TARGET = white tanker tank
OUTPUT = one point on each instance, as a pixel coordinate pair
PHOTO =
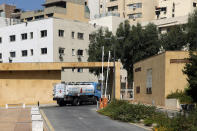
(76, 93)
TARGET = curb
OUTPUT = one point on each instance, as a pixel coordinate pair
(46, 121)
(146, 128)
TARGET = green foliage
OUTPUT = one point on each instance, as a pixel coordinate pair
(124, 111)
(181, 96)
(192, 30)
(190, 70)
(139, 43)
(97, 40)
(148, 122)
(175, 39)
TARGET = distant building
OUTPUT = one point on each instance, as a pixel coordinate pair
(174, 8)
(48, 40)
(158, 76)
(110, 22)
(135, 11)
(6, 10)
(94, 8)
(64, 9)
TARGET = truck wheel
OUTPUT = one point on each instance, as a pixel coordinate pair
(76, 102)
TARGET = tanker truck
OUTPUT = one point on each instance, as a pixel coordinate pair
(76, 93)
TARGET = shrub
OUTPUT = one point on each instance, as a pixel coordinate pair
(181, 96)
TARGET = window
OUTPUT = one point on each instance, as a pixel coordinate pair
(12, 38)
(0, 55)
(113, 8)
(80, 52)
(73, 35)
(149, 81)
(61, 50)
(32, 52)
(134, 6)
(43, 51)
(194, 4)
(24, 36)
(80, 70)
(0, 40)
(24, 52)
(61, 33)
(135, 15)
(80, 36)
(12, 54)
(138, 69)
(138, 89)
(43, 33)
(73, 52)
(31, 35)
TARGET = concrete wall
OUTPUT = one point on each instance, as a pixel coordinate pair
(167, 76)
(174, 78)
(27, 87)
(32, 82)
(157, 64)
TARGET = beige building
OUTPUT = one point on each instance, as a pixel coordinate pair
(64, 9)
(6, 10)
(158, 76)
(134, 10)
(174, 8)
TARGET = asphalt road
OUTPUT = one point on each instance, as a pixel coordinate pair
(84, 118)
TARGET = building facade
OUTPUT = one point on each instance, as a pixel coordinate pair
(6, 10)
(174, 8)
(94, 8)
(64, 9)
(158, 76)
(133, 10)
(48, 40)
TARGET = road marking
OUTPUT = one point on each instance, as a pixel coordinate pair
(47, 121)
(146, 128)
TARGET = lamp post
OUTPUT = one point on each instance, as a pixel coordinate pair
(114, 83)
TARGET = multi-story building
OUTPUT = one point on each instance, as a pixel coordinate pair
(48, 40)
(64, 9)
(133, 10)
(6, 10)
(174, 8)
(94, 8)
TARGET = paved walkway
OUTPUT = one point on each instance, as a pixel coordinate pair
(15, 119)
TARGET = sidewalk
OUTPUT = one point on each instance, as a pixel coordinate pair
(17, 119)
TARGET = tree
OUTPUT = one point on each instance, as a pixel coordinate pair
(139, 43)
(175, 39)
(192, 30)
(97, 40)
(191, 71)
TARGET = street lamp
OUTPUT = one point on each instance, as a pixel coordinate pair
(114, 83)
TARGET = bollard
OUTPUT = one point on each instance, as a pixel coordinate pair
(6, 106)
(23, 105)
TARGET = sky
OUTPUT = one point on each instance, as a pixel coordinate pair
(25, 4)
